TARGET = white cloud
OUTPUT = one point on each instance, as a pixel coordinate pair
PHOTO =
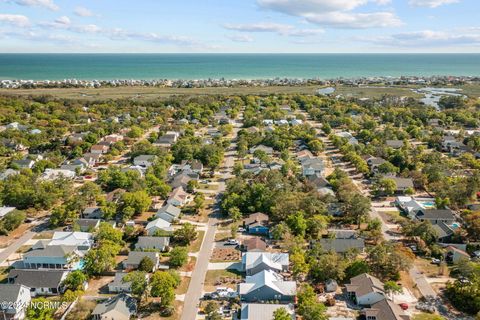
(63, 20)
(15, 19)
(355, 20)
(281, 29)
(428, 38)
(49, 4)
(334, 13)
(240, 38)
(86, 28)
(431, 3)
(83, 12)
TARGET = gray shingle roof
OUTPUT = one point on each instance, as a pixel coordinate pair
(123, 304)
(34, 278)
(342, 245)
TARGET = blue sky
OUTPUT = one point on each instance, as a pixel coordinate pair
(322, 26)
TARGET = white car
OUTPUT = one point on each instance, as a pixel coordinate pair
(436, 261)
(240, 229)
(232, 242)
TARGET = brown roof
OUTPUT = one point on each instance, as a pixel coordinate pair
(386, 310)
(255, 218)
(364, 284)
(255, 244)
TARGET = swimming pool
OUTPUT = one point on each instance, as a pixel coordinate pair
(427, 204)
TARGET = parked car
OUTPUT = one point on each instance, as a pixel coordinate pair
(241, 229)
(232, 242)
(436, 261)
(404, 306)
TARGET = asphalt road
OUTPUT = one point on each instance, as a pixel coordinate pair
(195, 288)
(15, 245)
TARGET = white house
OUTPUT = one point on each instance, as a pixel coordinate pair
(80, 240)
(18, 297)
(365, 289)
(158, 225)
(145, 160)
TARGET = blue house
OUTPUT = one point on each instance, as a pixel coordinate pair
(257, 223)
(54, 257)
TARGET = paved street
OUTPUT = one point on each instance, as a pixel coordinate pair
(14, 246)
(195, 289)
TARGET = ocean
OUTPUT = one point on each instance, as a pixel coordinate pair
(232, 66)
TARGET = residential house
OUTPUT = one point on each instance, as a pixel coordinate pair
(436, 215)
(120, 307)
(113, 138)
(444, 232)
(255, 244)
(178, 197)
(54, 257)
(149, 243)
(23, 163)
(254, 262)
(451, 145)
(74, 168)
(257, 223)
(168, 139)
(92, 158)
(145, 160)
(313, 166)
(99, 149)
(261, 147)
(88, 225)
(348, 136)
(262, 311)
(135, 257)
(342, 245)
(454, 255)
(304, 155)
(80, 240)
(394, 144)
(409, 205)
(158, 225)
(168, 213)
(17, 297)
(118, 285)
(267, 285)
(384, 310)
(317, 181)
(92, 213)
(53, 174)
(40, 282)
(180, 180)
(374, 162)
(365, 289)
(403, 184)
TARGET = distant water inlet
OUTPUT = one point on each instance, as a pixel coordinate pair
(433, 95)
(233, 66)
